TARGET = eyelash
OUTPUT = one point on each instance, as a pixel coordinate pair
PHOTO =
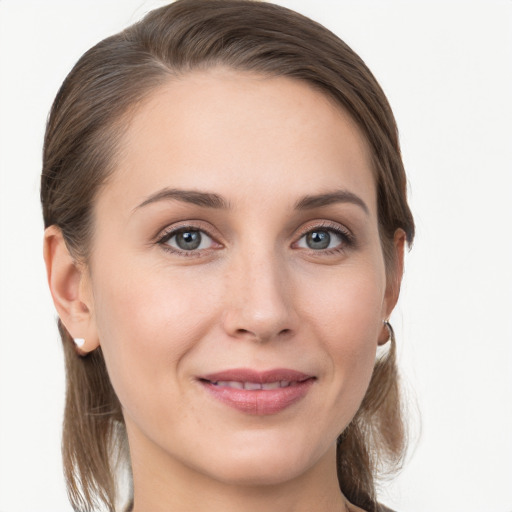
(348, 239)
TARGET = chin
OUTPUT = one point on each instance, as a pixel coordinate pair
(262, 472)
(263, 463)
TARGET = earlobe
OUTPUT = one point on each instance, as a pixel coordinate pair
(66, 282)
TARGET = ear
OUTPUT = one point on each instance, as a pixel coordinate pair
(68, 285)
(393, 282)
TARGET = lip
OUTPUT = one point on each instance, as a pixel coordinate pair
(294, 386)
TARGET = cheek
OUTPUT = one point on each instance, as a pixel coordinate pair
(349, 302)
(347, 315)
(148, 320)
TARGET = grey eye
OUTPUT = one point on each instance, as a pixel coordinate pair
(320, 239)
(189, 240)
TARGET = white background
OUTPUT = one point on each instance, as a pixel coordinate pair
(447, 70)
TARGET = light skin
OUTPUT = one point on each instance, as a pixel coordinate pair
(270, 185)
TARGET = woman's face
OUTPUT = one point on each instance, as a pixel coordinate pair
(237, 283)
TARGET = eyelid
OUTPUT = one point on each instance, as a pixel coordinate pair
(326, 225)
(175, 227)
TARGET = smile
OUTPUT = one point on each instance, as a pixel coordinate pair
(252, 386)
(258, 393)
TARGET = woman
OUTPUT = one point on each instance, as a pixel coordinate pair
(225, 214)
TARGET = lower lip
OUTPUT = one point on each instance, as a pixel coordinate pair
(260, 401)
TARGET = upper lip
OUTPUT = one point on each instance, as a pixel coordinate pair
(261, 377)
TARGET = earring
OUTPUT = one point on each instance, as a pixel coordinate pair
(391, 333)
(79, 342)
(390, 330)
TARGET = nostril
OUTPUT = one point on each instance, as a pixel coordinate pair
(260, 336)
(248, 321)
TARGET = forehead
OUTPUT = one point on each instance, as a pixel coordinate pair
(241, 134)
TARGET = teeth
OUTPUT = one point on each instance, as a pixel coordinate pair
(271, 385)
(230, 384)
(251, 386)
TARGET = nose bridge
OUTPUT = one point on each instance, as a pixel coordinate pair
(260, 299)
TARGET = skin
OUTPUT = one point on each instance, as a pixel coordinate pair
(255, 294)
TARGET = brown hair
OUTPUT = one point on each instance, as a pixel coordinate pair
(86, 122)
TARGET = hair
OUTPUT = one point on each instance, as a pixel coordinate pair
(84, 130)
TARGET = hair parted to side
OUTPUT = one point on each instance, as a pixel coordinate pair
(86, 123)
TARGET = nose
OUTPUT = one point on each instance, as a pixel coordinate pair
(259, 299)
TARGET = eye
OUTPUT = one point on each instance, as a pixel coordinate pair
(186, 239)
(319, 239)
(325, 239)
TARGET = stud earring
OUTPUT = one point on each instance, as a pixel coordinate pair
(79, 342)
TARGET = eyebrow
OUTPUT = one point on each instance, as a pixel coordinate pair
(212, 200)
(340, 196)
(205, 199)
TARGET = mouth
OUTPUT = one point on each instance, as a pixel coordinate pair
(252, 386)
(258, 393)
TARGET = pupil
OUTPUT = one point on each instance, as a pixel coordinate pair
(318, 239)
(188, 240)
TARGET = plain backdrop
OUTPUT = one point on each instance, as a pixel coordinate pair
(447, 70)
